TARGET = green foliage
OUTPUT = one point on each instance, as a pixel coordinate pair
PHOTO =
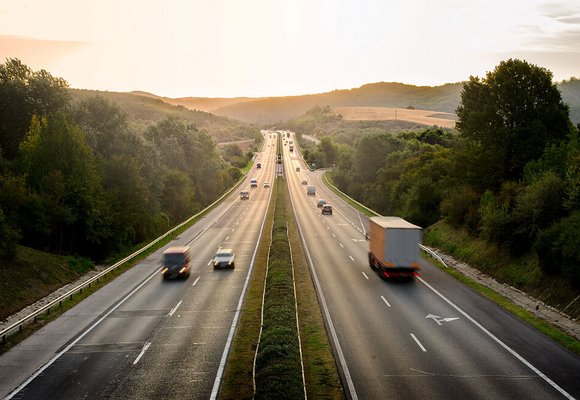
(83, 178)
(24, 93)
(278, 366)
(557, 249)
(8, 239)
(460, 207)
(511, 115)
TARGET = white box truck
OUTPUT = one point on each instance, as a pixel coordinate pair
(394, 247)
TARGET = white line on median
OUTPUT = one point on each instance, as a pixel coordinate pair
(196, 281)
(147, 344)
(386, 302)
(418, 343)
(341, 245)
(365, 275)
(351, 258)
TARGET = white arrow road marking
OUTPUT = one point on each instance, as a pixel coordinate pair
(439, 320)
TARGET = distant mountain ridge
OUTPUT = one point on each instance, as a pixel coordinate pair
(270, 110)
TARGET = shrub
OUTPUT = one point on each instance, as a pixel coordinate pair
(557, 249)
(460, 204)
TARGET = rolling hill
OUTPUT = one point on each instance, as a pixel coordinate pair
(271, 110)
(143, 110)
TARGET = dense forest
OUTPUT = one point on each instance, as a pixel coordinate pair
(509, 174)
(77, 177)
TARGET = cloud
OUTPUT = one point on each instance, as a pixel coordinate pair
(558, 10)
(565, 41)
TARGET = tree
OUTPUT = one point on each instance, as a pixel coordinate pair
(60, 167)
(8, 238)
(511, 116)
(24, 93)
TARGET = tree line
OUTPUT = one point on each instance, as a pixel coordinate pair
(76, 178)
(510, 173)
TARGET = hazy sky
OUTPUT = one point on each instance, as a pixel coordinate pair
(227, 48)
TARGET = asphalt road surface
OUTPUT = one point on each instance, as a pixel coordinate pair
(431, 338)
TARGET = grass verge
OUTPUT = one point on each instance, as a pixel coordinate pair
(453, 239)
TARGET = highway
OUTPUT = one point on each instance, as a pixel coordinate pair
(432, 338)
(148, 338)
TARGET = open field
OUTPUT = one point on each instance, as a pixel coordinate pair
(442, 119)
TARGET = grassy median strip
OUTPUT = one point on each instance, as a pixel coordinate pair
(278, 369)
(278, 361)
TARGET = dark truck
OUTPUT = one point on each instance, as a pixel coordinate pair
(176, 263)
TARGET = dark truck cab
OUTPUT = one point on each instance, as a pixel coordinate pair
(176, 262)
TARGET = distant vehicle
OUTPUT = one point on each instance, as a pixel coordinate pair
(176, 262)
(394, 247)
(259, 165)
(310, 190)
(297, 169)
(291, 148)
(266, 184)
(253, 182)
(305, 182)
(321, 202)
(224, 258)
(244, 195)
(327, 209)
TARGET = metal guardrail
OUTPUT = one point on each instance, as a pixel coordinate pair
(428, 250)
(79, 289)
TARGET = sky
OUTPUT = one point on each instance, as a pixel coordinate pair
(258, 48)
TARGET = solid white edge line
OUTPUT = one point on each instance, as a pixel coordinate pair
(195, 282)
(343, 365)
(79, 338)
(221, 368)
(365, 275)
(147, 344)
(418, 343)
(385, 300)
(498, 341)
(174, 309)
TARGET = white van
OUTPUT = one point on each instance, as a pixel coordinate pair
(310, 190)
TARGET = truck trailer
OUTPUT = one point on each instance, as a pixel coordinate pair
(394, 247)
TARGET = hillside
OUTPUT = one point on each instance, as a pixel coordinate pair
(270, 110)
(143, 110)
(207, 104)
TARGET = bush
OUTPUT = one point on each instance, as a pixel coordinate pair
(460, 204)
(8, 238)
(558, 249)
